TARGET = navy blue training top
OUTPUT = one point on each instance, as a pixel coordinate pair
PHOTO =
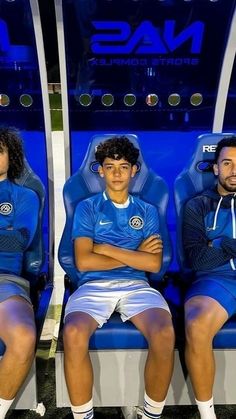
(19, 209)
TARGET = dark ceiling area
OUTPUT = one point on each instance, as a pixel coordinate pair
(47, 12)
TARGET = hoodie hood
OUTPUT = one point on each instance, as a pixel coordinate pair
(226, 200)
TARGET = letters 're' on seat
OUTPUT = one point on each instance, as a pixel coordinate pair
(34, 256)
(86, 182)
(195, 177)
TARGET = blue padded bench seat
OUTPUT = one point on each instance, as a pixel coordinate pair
(226, 337)
(118, 335)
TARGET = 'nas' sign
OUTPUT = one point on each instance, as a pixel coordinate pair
(119, 38)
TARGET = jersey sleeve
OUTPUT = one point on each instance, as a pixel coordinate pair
(83, 222)
(152, 224)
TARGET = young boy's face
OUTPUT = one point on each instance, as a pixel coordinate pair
(117, 173)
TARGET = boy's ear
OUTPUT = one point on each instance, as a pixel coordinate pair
(100, 171)
(134, 170)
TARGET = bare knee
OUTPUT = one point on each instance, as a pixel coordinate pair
(75, 337)
(22, 343)
(198, 335)
(161, 338)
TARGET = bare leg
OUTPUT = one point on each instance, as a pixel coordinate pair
(78, 368)
(156, 325)
(17, 330)
(203, 318)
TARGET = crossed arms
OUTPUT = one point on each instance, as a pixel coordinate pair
(93, 257)
(201, 253)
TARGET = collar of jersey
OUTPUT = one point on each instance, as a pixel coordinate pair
(4, 182)
(125, 205)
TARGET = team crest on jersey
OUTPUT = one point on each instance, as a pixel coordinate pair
(136, 222)
(6, 208)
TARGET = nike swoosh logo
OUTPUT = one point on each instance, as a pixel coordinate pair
(103, 223)
(211, 228)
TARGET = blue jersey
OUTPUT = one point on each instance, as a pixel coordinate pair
(19, 208)
(123, 226)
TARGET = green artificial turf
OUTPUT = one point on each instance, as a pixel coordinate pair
(56, 111)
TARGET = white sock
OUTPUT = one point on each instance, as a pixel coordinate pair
(206, 409)
(152, 409)
(85, 411)
(4, 407)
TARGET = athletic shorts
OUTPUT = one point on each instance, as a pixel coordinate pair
(213, 288)
(101, 298)
(12, 285)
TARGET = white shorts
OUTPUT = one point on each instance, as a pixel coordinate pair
(101, 298)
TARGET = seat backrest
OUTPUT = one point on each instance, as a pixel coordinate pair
(86, 182)
(35, 254)
(195, 177)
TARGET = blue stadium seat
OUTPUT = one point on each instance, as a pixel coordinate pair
(195, 177)
(85, 182)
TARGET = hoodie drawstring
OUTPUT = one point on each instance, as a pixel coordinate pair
(233, 223)
(234, 232)
(233, 217)
(216, 213)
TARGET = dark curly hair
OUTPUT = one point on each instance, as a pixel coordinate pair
(225, 142)
(117, 148)
(11, 141)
